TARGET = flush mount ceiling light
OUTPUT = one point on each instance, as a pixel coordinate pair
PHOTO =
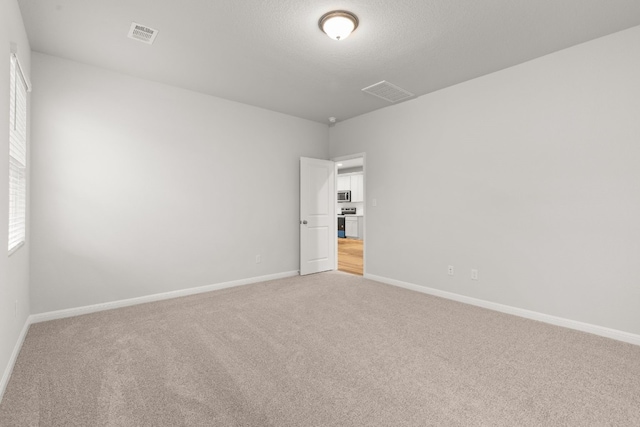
(338, 24)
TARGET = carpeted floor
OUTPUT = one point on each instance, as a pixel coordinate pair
(330, 349)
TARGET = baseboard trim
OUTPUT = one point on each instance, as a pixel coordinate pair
(71, 312)
(14, 356)
(533, 315)
(546, 318)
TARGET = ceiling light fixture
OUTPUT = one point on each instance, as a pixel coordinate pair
(338, 24)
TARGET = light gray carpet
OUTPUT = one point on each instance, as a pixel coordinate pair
(324, 350)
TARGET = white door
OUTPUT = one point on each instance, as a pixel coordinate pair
(317, 216)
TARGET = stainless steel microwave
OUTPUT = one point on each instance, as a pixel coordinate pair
(344, 196)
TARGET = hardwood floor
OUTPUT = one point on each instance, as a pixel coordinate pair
(350, 256)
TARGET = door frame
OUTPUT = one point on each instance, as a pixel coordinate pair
(336, 160)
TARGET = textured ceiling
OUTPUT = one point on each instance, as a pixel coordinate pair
(271, 53)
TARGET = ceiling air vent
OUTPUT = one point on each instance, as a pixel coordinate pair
(387, 91)
(141, 33)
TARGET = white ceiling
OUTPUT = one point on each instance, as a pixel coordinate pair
(271, 53)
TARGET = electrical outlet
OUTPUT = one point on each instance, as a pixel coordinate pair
(258, 259)
(374, 202)
(450, 270)
(474, 274)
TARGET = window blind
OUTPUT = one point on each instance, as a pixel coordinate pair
(17, 156)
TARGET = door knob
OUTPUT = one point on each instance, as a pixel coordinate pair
(304, 222)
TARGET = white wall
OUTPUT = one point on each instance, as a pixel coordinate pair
(14, 272)
(530, 174)
(141, 188)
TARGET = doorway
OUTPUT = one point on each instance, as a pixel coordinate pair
(350, 180)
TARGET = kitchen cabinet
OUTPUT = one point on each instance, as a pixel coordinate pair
(351, 227)
(353, 183)
(344, 183)
(357, 189)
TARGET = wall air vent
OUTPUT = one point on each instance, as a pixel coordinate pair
(141, 33)
(388, 92)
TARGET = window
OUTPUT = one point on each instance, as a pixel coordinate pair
(17, 156)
